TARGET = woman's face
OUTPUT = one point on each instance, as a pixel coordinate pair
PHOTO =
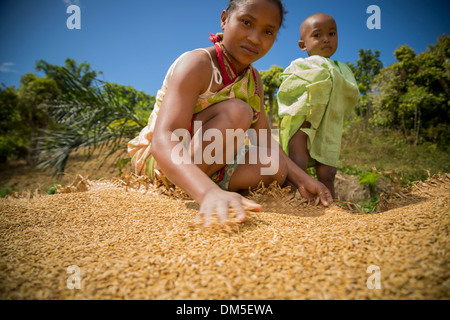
(250, 31)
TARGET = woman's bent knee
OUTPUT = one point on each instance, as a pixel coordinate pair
(238, 113)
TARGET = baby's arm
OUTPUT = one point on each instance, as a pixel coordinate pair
(191, 78)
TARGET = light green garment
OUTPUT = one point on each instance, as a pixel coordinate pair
(323, 92)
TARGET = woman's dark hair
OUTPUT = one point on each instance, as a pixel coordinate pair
(234, 3)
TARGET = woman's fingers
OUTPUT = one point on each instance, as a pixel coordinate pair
(306, 194)
(325, 197)
(237, 204)
(222, 208)
(318, 193)
(206, 212)
(252, 205)
(222, 211)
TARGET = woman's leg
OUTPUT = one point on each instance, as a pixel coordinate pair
(229, 115)
(236, 115)
(251, 172)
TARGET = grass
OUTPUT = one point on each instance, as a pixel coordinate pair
(363, 150)
(385, 150)
(5, 190)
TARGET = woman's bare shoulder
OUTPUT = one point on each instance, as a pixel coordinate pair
(195, 67)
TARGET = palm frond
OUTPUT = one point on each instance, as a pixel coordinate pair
(89, 118)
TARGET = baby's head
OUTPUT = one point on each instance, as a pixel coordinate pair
(318, 35)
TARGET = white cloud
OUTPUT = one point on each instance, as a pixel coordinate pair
(7, 67)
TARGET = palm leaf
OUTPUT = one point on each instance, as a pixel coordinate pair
(88, 118)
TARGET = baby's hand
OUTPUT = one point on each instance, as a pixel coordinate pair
(220, 202)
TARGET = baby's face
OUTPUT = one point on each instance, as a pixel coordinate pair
(319, 36)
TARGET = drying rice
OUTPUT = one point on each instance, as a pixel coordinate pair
(126, 240)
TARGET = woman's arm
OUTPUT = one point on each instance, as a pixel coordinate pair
(191, 78)
(176, 113)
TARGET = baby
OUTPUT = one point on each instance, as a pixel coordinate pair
(316, 96)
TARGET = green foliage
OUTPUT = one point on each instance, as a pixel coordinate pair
(25, 113)
(351, 170)
(412, 95)
(91, 117)
(12, 146)
(6, 190)
(67, 111)
(121, 164)
(275, 117)
(82, 72)
(369, 205)
(271, 81)
(369, 178)
(52, 189)
(386, 149)
(365, 70)
(12, 143)
(35, 95)
(9, 114)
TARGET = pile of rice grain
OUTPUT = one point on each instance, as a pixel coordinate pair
(139, 244)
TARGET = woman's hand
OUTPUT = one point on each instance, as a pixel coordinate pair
(312, 188)
(219, 201)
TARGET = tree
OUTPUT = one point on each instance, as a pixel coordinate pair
(35, 95)
(271, 81)
(441, 51)
(411, 94)
(82, 72)
(365, 71)
(12, 140)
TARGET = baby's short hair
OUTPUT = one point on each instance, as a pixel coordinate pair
(306, 21)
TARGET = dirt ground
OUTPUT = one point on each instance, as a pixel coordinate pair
(118, 239)
(22, 177)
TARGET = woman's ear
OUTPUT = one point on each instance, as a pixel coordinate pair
(223, 19)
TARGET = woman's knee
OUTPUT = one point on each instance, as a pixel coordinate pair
(229, 114)
(238, 113)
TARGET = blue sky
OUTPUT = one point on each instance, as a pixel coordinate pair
(135, 41)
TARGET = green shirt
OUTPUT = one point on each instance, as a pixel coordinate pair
(323, 92)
